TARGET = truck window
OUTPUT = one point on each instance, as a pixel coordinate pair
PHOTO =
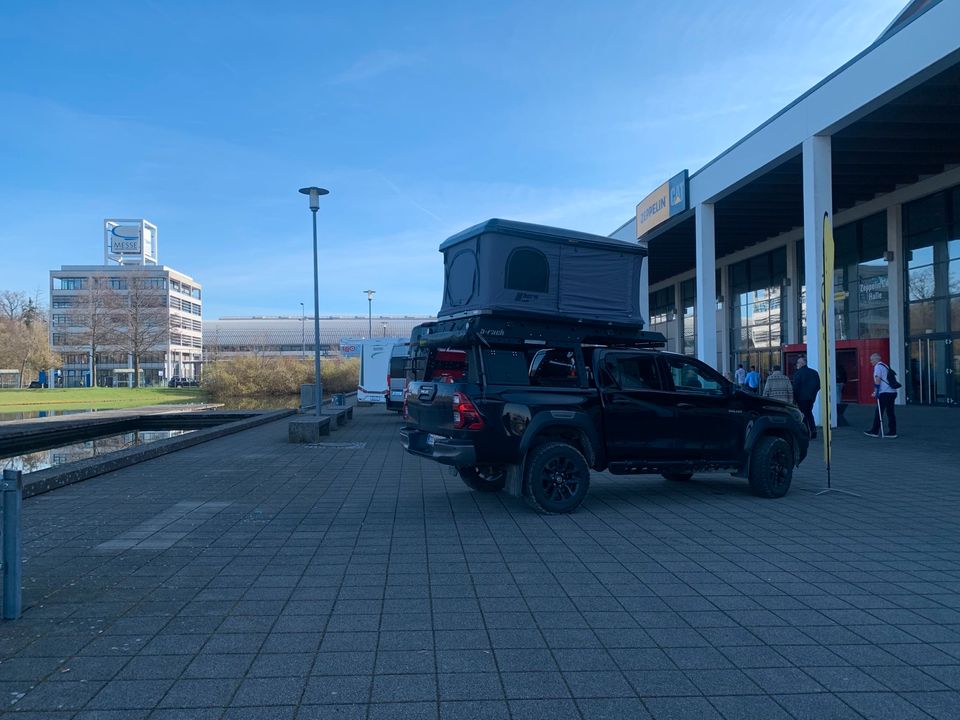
(637, 372)
(554, 366)
(693, 377)
(446, 366)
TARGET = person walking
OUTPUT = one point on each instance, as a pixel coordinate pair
(886, 397)
(778, 386)
(806, 386)
(740, 376)
(753, 380)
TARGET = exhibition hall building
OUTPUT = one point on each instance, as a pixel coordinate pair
(873, 149)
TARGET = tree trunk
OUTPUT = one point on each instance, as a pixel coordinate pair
(136, 370)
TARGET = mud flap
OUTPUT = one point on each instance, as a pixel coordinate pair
(514, 484)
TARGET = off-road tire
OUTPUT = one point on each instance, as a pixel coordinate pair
(771, 467)
(556, 478)
(488, 478)
(677, 476)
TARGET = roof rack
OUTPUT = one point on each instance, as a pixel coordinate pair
(498, 329)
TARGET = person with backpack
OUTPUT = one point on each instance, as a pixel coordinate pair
(885, 386)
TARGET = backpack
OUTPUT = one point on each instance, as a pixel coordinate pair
(892, 378)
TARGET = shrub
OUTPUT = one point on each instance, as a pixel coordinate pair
(253, 376)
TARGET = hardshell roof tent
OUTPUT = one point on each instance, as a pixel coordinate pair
(508, 266)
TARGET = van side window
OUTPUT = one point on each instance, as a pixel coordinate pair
(527, 269)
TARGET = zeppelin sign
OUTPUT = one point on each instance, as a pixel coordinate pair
(662, 204)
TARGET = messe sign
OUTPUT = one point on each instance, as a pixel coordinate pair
(666, 201)
(131, 242)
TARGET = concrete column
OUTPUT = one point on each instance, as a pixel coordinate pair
(725, 321)
(706, 303)
(789, 300)
(895, 298)
(645, 289)
(817, 201)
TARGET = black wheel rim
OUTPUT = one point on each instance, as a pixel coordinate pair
(779, 468)
(560, 480)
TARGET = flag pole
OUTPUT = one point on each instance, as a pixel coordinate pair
(826, 357)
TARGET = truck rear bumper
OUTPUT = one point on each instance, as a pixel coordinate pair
(449, 451)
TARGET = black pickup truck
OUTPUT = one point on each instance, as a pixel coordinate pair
(534, 406)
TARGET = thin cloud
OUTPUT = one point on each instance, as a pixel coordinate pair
(401, 194)
(372, 65)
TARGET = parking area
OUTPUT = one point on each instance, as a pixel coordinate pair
(251, 578)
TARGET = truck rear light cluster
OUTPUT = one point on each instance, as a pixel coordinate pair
(465, 413)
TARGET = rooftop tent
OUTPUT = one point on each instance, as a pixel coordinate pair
(501, 265)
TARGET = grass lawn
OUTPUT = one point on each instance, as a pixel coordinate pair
(12, 401)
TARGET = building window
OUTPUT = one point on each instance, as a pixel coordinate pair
(69, 283)
(756, 328)
(688, 301)
(663, 315)
(527, 269)
(861, 292)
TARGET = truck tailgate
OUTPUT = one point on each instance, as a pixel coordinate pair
(430, 405)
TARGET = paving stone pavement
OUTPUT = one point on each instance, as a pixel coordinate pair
(250, 578)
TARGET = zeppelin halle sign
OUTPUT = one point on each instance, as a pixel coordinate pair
(662, 204)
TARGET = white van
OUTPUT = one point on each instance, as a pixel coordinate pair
(374, 366)
(397, 377)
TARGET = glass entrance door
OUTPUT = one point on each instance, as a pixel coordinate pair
(934, 362)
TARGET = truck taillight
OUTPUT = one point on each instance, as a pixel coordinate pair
(465, 413)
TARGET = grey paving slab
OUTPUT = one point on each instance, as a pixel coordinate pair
(251, 578)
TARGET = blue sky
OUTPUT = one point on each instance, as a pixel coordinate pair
(421, 118)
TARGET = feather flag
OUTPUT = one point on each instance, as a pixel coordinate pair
(826, 312)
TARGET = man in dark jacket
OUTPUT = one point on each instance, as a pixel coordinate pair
(806, 386)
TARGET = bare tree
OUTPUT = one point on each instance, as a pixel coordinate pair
(92, 315)
(140, 318)
(12, 305)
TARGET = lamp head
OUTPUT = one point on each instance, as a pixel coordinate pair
(314, 193)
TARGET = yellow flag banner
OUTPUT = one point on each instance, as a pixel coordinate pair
(826, 312)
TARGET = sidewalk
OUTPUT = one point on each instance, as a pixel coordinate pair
(250, 578)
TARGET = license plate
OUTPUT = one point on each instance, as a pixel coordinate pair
(432, 439)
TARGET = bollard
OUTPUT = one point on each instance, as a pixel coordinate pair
(12, 489)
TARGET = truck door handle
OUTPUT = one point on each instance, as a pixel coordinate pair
(685, 406)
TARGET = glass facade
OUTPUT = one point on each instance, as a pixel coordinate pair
(931, 244)
(663, 315)
(861, 291)
(757, 318)
(688, 301)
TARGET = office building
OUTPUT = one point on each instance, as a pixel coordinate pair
(99, 314)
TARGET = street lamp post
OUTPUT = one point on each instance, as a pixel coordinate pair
(303, 336)
(315, 193)
(369, 312)
(383, 326)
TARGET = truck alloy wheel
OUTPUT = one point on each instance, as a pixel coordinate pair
(771, 467)
(557, 478)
